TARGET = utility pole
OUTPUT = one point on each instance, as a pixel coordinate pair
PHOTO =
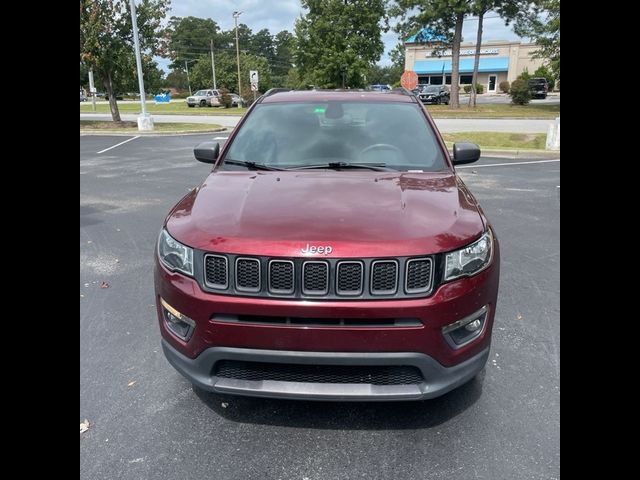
(213, 67)
(186, 66)
(235, 17)
(145, 122)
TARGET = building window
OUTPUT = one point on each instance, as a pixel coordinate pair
(448, 80)
(436, 80)
(466, 79)
(423, 80)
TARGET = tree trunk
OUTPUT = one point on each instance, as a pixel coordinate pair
(113, 104)
(455, 87)
(476, 62)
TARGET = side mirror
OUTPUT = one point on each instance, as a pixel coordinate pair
(207, 152)
(465, 152)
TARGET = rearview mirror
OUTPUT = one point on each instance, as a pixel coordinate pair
(465, 152)
(207, 152)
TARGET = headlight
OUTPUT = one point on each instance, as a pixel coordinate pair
(469, 260)
(174, 255)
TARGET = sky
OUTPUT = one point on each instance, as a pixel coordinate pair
(277, 15)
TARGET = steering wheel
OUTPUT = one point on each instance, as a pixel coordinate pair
(380, 146)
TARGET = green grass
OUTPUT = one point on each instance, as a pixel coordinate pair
(176, 107)
(499, 140)
(495, 110)
(130, 127)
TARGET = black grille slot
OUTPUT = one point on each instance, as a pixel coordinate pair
(248, 274)
(315, 278)
(418, 275)
(349, 276)
(384, 277)
(216, 273)
(281, 276)
(283, 372)
(318, 322)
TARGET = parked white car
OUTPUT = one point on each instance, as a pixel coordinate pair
(204, 98)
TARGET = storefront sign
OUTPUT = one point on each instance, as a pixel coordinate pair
(447, 53)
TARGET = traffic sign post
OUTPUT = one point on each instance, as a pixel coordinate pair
(409, 80)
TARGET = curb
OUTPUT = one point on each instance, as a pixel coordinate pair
(515, 154)
(152, 134)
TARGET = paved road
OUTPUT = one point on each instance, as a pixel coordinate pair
(445, 125)
(147, 422)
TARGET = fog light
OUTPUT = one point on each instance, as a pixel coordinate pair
(464, 331)
(473, 326)
(178, 323)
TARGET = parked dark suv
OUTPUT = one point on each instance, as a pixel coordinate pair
(435, 94)
(538, 87)
(332, 253)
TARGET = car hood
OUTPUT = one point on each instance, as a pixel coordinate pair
(358, 214)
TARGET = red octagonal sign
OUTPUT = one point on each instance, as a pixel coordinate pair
(409, 80)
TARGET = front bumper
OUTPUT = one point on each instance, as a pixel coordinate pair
(438, 380)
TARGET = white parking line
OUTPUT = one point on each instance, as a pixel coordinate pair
(118, 144)
(511, 163)
(220, 138)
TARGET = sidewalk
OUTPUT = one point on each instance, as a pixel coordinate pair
(445, 125)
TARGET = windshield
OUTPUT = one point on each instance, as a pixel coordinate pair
(293, 135)
(434, 89)
(537, 82)
(200, 93)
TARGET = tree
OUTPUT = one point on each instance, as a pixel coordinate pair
(545, 72)
(508, 10)
(262, 45)
(441, 16)
(285, 44)
(227, 73)
(542, 24)
(106, 40)
(338, 40)
(188, 37)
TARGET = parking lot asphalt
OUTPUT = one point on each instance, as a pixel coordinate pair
(146, 422)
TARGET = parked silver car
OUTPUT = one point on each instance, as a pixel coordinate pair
(237, 100)
(204, 98)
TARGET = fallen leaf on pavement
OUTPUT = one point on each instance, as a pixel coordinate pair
(131, 384)
(104, 285)
(519, 317)
(84, 426)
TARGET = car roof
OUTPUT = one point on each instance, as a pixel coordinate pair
(343, 95)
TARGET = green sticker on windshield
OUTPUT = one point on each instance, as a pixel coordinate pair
(319, 110)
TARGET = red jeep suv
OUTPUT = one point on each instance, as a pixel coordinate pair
(332, 253)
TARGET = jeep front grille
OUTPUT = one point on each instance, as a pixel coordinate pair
(318, 279)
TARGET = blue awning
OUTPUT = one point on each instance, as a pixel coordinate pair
(488, 64)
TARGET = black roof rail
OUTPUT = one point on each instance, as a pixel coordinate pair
(273, 91)
(404, 91)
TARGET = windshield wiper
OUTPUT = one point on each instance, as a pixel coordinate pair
(378, 167)
(251, 165)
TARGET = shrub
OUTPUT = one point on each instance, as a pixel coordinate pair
(525, 75)
(519, 92)
(479, 88)
(225, 98)
(504, 86)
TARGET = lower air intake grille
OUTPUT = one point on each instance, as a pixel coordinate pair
(283, 372)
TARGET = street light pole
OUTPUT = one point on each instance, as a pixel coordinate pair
(186, 66)
(235, 17)
(213, 67)
(145, 122)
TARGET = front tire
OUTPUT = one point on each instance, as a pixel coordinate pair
(203, 103)
(190, 106)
